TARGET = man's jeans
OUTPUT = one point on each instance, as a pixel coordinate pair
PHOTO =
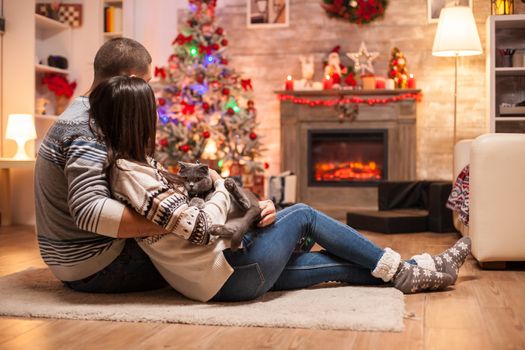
(269, 259)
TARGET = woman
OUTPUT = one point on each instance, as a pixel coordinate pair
(199, 265)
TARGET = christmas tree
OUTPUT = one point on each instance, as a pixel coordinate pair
(205, 107)
(398, 68)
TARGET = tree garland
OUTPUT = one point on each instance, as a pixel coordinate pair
(355, 11)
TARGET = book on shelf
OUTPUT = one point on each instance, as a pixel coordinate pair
(112, 19)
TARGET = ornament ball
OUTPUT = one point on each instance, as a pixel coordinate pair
(206, 134)
(185, 148)
(225, 91)
(205, 106)
(164, 142)
(253, 136)
(230, 111)
(224, 61)
(219, 31)
(266, 165)
(162, 101)
(224, 42)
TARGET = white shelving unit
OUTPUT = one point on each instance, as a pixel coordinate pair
(505, 84)
(118, 23)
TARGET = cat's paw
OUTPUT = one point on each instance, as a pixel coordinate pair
(236, 241)
(197, 202)
(220, 231)
(230, 184)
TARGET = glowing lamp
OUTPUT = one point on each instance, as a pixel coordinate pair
(21, 128)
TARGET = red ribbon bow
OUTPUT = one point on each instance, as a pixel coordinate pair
(160, 71)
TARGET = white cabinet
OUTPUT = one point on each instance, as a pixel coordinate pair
(506, 75)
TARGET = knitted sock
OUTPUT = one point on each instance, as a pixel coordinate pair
(412, 279)
(449, 261)
(387, 265)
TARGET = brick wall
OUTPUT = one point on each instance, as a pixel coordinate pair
(268, 55)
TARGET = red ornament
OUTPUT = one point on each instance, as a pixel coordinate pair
(224, 42)
(251, 103)
(226, 91)
(164, 142)
(224, 61)
(266, 165)
(200, 78)
(185, 148)
(215, 47)
(161, 101)
(246, 84)
(205, 106)
(230, 111)
(206, 134)
(253, 136)
(219, 31)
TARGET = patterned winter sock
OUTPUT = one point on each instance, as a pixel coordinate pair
(413, 279)
(387, 265)
(449, 261)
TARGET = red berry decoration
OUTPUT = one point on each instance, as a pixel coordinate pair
(253, 136)
(230, 111)
(266, 165)
(226, 91)
(219, 31)
(205, 106)
(215, 47)
(184, 148)
(206, 134)
(164, 142)
(162, 101)
(224, 42)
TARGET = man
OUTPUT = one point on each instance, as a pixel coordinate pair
(81, 230)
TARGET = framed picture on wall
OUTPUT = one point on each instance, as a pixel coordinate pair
(434, 7)
(268, 13)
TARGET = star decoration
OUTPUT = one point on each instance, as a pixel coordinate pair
(363, 59)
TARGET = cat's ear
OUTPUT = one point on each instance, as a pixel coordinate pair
(183, 165)
(203, 169)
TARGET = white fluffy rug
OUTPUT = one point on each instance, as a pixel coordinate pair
(36, 293)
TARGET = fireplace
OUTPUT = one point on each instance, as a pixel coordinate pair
(347, 157)
(352, 154)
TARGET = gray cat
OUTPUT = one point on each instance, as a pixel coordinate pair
(199, 186)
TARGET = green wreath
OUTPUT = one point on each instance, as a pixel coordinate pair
(355, 11)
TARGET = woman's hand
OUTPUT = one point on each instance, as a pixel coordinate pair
(214, 175)
(267, 213)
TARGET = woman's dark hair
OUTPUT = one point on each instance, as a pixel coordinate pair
(123, 115)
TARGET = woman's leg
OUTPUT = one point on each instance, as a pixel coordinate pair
(267, 252)
(307, 269)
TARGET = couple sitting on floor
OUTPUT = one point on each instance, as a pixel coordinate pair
(110, 219)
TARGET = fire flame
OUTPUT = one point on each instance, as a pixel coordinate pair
(347, 171)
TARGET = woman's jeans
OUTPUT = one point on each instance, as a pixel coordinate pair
(270, 260)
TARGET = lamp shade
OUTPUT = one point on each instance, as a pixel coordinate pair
(456, 34)
(20, 127)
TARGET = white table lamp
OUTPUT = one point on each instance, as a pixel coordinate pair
(21, 128)
(456, 35)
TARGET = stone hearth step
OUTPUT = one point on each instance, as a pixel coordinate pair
(389, 221)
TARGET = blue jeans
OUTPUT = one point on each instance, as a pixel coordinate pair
(269, 259)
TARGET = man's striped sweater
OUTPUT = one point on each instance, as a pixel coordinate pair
(76, 218)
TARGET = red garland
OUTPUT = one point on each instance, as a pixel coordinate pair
(353, 99)
(59, 85)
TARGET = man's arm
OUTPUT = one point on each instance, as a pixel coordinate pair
(132, 225)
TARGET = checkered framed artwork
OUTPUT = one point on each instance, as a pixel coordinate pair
(67, 13)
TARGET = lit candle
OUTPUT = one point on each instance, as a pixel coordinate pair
(411, 82)
(288, 85)
(327, 82)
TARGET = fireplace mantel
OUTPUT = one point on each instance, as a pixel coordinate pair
(398, 118)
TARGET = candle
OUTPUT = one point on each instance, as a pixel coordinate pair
(380, 83)
(327, 82)
(411, 82)
(502, 7)
(288, 84)
(390, 84)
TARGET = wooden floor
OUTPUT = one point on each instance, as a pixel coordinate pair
(485, 310)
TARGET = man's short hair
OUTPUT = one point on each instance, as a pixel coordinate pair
(121, 56)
